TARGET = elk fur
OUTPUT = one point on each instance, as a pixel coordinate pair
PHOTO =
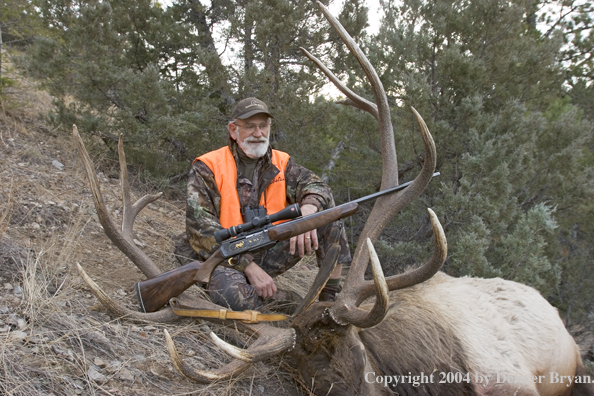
(485, 327)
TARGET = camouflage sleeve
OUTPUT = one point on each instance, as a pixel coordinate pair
(202, 214)
(304, 187)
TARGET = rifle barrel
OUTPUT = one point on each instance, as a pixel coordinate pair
(387, 191)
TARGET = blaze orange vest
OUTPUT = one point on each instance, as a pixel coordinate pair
(222, 164)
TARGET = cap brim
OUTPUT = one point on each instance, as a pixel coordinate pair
(253, 113)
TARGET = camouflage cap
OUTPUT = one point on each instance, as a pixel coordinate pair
(249, 107)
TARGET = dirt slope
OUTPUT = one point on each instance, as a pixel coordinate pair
(54, 339)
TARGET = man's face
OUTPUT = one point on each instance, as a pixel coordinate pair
(251, 134)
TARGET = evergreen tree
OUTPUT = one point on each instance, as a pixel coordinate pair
(168, 78)
(516, 179)
(18, 24)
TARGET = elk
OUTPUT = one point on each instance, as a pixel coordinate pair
(417, 333)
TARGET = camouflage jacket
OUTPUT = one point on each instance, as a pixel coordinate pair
(203, 200)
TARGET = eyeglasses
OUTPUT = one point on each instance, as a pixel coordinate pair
(249, 127)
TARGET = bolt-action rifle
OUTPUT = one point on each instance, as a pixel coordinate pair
(255, 235)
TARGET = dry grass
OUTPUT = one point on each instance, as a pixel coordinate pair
(54, 339)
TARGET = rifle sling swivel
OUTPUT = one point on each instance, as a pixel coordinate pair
(248, 316)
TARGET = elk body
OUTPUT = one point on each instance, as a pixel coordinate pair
(417, 333)
(483, 329)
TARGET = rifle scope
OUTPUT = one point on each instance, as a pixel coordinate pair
(290, 212)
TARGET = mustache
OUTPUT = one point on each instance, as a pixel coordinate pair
(256, 140)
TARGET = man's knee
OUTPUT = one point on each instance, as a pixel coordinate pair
(229, 288)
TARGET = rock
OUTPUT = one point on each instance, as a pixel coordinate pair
(18, 291)
(12, 320)
(58, 165)
(99, 362)
(67, 353)
(138, 243)
(114, 365)
(125, 375)
(96, 376)
(18, 335)
(21, 324)
(100, 340)
(35, 226)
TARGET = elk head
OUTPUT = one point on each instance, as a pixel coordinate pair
(324, 336)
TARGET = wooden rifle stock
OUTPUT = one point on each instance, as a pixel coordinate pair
(156, 292)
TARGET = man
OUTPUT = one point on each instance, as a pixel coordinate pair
(225, 184)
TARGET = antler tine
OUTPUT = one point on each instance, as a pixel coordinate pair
(203, 376)
(365, 319)
(130, 211)
(122, 240)
(353, 99)
(118, 310)
(271, 341)
(274, 341)
(429, 269)
(389, 179)
(420, 274)
(356, 289)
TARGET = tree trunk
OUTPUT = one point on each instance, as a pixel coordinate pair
(339, 148)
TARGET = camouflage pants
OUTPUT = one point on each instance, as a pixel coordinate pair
(230, 288)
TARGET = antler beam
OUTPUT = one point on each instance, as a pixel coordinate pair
(122, 239)
(356, 289)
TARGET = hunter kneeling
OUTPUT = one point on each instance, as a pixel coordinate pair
(229, 185)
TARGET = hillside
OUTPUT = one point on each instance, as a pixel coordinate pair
(54, 338)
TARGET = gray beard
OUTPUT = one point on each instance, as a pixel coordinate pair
(254, 149)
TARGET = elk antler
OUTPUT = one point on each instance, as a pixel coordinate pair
(122, 239)
(356, 289)
(263, 347)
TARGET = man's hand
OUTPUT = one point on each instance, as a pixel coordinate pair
(261, 281)
(306, 240)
